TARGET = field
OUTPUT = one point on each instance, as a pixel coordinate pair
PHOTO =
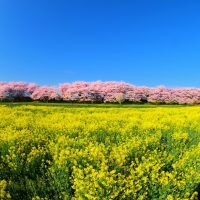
(65, 151)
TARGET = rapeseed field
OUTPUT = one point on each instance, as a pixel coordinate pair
(97, 153)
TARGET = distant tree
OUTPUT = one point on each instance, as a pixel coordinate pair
(16, 91)
(45, 93)
(120, 97)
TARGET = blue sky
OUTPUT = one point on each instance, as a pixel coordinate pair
(144, 42)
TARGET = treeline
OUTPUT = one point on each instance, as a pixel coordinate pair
(98, 92)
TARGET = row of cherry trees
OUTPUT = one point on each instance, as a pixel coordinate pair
(98, 92)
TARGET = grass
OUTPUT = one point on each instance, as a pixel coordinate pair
(92, 105)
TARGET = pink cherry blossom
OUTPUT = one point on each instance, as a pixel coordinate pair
(98, 91)
(45, 93)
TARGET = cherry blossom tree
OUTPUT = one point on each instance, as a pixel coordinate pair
(45, 93)
(120, 97)
(16, 91)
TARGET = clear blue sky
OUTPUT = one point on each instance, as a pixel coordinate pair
(144, 42)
